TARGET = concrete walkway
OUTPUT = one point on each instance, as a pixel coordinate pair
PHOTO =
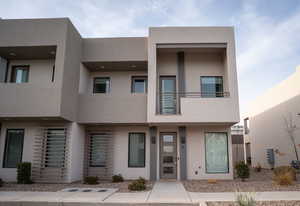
(166, 193)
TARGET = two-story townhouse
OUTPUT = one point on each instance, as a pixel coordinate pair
(159, 107)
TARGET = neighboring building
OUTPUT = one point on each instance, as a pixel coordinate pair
(237, 137)
(265, 126)
(158, 107)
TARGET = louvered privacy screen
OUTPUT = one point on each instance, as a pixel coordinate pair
(99, 154)
(50, 160)
(55, 149)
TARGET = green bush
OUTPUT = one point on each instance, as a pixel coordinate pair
(142, 180)
(91, 180)
(283, 170)
(1, 182)
(137, 185)
(24, 173)
(242, 170)
(117, 178)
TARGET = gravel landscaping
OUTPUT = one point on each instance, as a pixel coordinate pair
(265, 203)
(122, 186)
(258, 182)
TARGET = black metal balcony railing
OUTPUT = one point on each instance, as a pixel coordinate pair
(168, 101)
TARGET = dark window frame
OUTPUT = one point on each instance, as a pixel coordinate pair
(53, 73)
(144, 165)
(13, 73)
(216, 95)
(6, 147)
(109, 85)
(145, 78)
(228, 169)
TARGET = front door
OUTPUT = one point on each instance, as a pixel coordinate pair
(168, 156)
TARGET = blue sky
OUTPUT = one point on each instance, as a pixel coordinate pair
(267, 31)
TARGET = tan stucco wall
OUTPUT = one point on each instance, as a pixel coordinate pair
(10, 174)
(114, 49)
(196, 152)
(266, 122)
(118, 106)
(192, 35)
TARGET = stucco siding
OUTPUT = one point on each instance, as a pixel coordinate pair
(196, 152)
(120, 157)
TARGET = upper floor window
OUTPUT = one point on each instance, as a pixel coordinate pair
(101, 85)
(19, 74)
(212, 86)
(139, 84)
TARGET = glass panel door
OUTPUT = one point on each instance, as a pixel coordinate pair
(168, 156)
(168, 95)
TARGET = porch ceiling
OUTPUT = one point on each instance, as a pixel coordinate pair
(117, 66)
(28, 52)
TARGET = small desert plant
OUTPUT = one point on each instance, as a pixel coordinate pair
(137, 185)
(142, 180)
(245, 199)
(1, 182)
(117, 178)
(284, 170)
(283, 179)
(24, 173)
(91, 180)
(242, 170)
(257, 168)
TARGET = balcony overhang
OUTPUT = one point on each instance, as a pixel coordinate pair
(117, 66)
(28, 52)
(196, 47)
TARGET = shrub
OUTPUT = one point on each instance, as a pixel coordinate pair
(117, 178)
(283, 179)
(285, 169)
(242, 170)
(257, 168)
(24, 173)
(142, 180)
(1, 182)
(245, 199)
(137, 185)
(91, 180)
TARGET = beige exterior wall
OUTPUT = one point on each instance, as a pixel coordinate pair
(117, 106)
(114, 49)
(158, 65)
(267, 127)
(196, 168)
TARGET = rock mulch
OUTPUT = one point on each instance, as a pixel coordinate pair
(37, 187)
(263, 203)
(258, 182)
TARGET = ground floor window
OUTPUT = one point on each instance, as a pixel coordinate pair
(13, 148)
(55, 147)
(216, 152)
(136, 150)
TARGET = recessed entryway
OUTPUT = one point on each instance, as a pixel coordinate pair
(168, 156)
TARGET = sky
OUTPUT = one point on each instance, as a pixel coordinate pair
(267, 32)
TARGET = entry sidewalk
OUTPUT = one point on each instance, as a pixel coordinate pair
(166, 193)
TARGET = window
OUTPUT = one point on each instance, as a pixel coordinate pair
(139, 84)
(216, 152)
(55, 148)
(13, 148)
(98, 149)
(212, 87)
(19, 74)
(102, 85)
(136, 150)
